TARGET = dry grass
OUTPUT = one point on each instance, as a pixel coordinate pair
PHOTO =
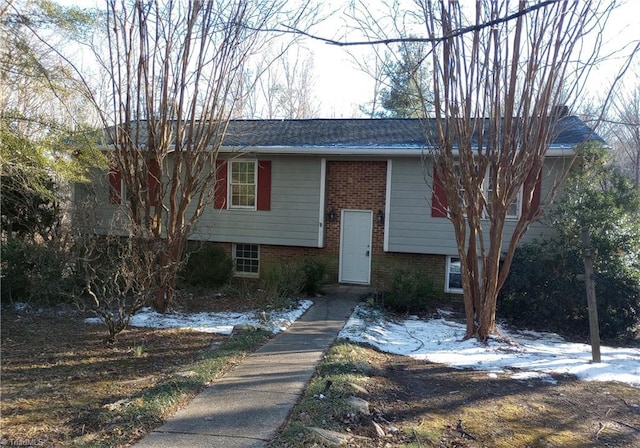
(61, 386)
(419, 404)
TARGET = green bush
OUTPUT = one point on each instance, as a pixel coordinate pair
(207, 265)
(313, 272)
(36, 273)
(546, 290)
(410, 291)
(281, 283)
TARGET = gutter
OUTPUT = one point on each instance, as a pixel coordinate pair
(381, 151)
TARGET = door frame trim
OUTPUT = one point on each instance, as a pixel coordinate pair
(340, 261)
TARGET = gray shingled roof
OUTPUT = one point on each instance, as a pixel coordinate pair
(363, 133)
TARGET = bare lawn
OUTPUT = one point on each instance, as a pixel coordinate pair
(61, 386)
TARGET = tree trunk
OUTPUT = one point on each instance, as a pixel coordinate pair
(487, 316)
(169, 261)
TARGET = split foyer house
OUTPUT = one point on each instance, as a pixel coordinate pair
(356, 194)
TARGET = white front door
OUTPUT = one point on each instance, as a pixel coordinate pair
(355, 246)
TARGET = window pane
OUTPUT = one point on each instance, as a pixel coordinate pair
(512, 210)
(246, 258)
(243, 184)
(455, 274)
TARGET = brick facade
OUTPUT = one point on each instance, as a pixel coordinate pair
(355, 185)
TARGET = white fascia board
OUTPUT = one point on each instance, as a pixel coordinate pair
(325, 150)
(379, 151)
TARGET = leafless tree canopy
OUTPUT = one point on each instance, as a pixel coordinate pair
(283, 89)
(503, 72)
(499, 93)
(625, 130)
(175, 73)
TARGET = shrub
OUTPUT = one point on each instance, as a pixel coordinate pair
(119, 274)
(410, 291)
(545, 290)
(313, 272)
(37, 273)
(207, 265)
(281, 283)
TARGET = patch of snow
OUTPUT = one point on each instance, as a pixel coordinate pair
(545, 377)
(441, 341)
(20, 306)
(221, 323)
(532, 354)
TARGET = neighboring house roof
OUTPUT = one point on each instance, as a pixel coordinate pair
(380, 136)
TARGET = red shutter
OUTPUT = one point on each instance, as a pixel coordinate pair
(534, 210)
(153, 180)
(264, 185)
(439, 203)
(115, 186)
(220, 193)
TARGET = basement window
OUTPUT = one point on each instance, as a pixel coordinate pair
(453, 280)
(246, 260)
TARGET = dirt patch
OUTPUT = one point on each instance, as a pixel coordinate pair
(440, 406)
(420, 404)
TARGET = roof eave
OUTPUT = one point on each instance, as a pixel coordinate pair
(386, 151)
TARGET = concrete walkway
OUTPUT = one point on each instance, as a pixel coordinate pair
(246, 407)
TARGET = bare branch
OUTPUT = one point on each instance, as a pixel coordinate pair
(431, 39)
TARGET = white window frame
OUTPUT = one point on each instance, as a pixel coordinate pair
(447, 287)
(235, 258)
(231, 185)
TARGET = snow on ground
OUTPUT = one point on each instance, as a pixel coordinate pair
(222, 323)
(529, 355)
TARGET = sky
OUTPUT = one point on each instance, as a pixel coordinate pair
(527, 355)
(341, 87)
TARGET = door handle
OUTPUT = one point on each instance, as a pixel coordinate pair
(367, 253)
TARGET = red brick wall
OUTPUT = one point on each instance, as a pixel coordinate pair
(359, 185)
(432, 266)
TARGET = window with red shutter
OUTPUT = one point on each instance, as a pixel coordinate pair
(220, 193)
(243, 184)
(264, 185)
(439, 203)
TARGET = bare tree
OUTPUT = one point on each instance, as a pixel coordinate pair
(502, 74)
(625, 130)
(175, 72)
(498, 91)
(283, 89)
